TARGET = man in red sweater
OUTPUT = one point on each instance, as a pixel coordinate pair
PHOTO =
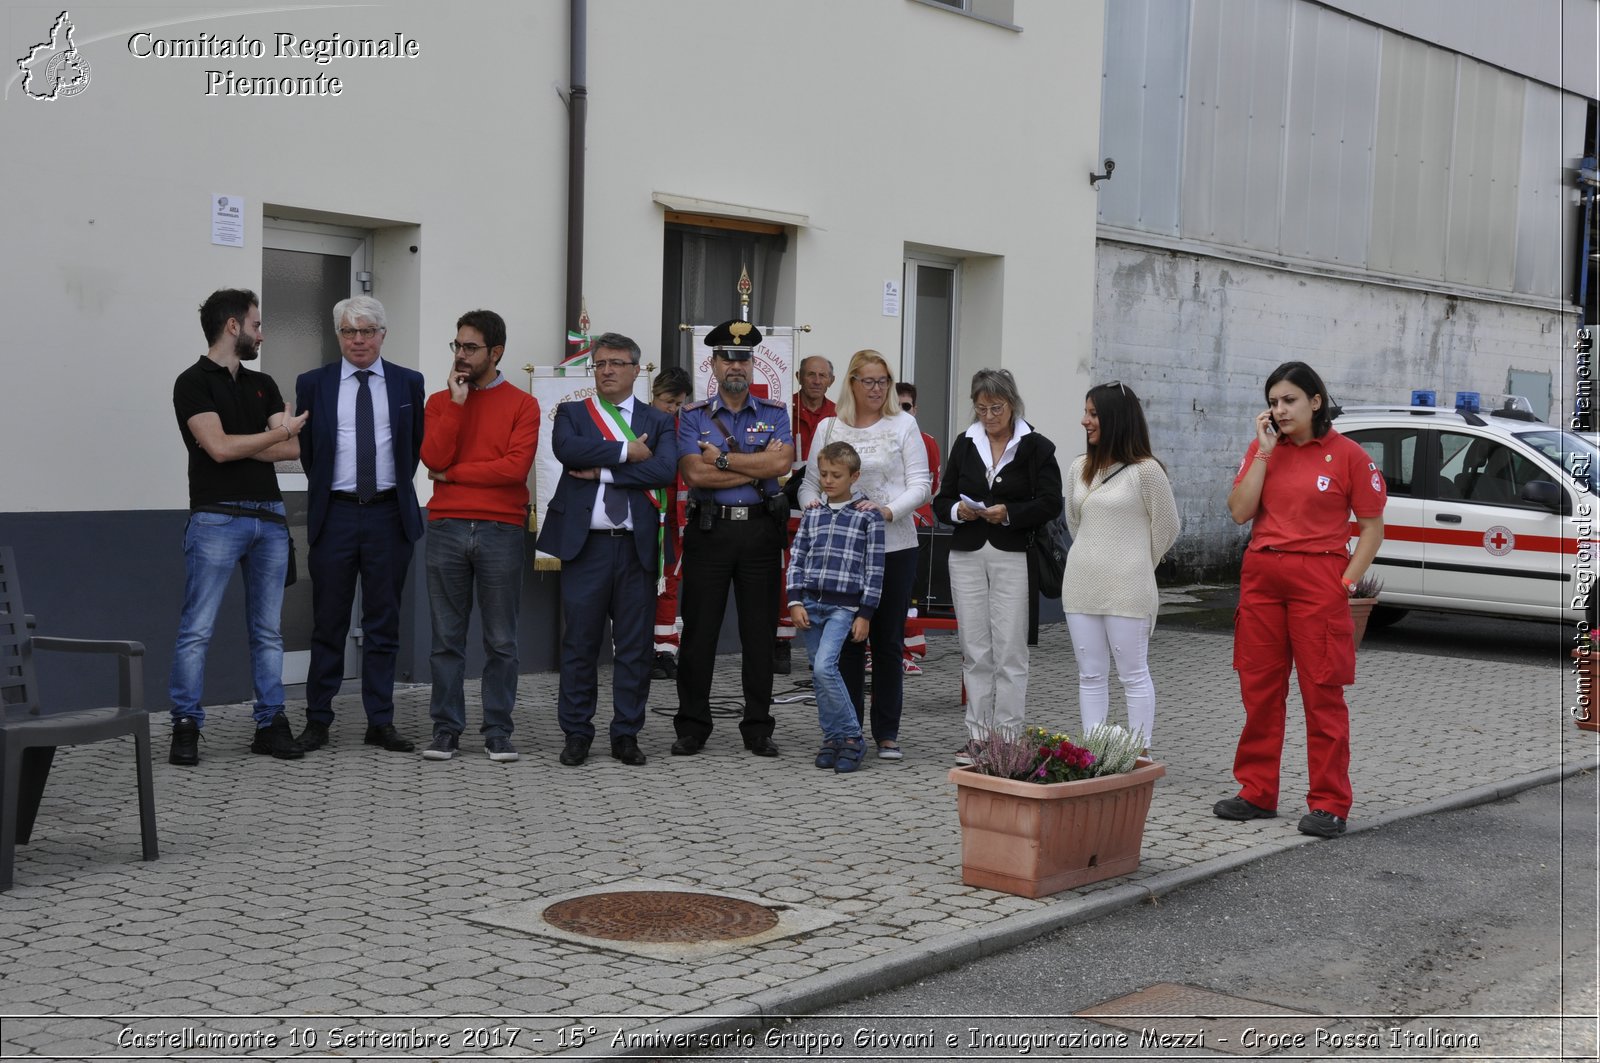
(478, 440)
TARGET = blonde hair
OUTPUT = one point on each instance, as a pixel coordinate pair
(846, 405)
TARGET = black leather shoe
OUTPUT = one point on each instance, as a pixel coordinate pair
(1239, 808)
(315, 736)
(665, 667)
(185, 742)
(626, 749)
(576, 750)
(276, 740)
(686, 746)
(762, 747)
(385, 735)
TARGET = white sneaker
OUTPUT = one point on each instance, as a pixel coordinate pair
(500, 749)
(911, 667)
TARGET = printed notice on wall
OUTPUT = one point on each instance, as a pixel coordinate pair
(891, 298)
(227, 221)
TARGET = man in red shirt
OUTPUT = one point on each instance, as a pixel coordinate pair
(478, 442)
(811, 407)
(811, 403)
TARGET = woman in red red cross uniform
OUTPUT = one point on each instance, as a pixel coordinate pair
(1299, 483)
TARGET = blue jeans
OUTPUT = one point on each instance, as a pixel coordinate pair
(829, 631)
(464, 556)
(212, 545)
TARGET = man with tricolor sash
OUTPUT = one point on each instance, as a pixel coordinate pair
(607, 524)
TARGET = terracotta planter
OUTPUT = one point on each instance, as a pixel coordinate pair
(1360, 610)
(1035, 839)
(1584, 660)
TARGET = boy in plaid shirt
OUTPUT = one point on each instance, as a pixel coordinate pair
(835, 581)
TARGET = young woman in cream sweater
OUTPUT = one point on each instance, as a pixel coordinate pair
(1123, 520)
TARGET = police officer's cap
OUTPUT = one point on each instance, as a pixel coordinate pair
(735, 339)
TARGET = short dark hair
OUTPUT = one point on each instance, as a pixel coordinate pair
(490, 324)
(616, 341)
(841, 453)
(1306, 379)
(673, 380)
(225, 305)
(903, 389)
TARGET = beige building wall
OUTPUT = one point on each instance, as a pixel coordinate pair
(885, 123)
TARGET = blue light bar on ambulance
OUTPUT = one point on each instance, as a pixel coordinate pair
(1424, 397)
(1467, 401)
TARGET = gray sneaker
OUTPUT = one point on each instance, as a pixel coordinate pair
(443, 746)
(500, 749)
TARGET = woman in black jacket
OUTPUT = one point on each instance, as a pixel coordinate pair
(1001, 482)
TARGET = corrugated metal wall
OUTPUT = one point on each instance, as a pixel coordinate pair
(1287, 128)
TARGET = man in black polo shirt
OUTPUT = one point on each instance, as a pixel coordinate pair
(235, 425)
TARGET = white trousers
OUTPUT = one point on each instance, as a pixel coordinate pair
(990, 588)
(1096, 640)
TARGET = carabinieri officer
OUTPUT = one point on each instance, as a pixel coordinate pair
(732, 448)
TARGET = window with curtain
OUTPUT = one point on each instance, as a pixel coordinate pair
(700, 278)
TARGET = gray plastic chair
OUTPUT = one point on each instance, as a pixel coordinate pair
(30, 733)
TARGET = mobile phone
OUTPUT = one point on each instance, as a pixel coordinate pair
(1272, 426)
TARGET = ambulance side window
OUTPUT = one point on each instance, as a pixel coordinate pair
(1483, 470)
(1395, 451)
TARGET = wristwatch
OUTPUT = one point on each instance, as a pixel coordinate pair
(722, 462)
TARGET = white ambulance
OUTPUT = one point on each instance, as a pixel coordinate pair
(1489, 511)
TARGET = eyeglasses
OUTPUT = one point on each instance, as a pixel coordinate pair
(614, 363)
(877, 383)
(991, 411)
(469, 349)
(366, 333)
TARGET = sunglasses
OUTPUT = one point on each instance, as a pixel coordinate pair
(906, 406)
(1119, 385)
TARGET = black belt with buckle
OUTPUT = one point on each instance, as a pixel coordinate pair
(614, 533)
(351, 496)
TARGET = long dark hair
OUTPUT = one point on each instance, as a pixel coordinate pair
(1306, 379)
(1124, 435)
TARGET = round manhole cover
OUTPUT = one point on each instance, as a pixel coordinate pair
(654, 915)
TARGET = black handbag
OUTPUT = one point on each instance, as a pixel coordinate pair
(1049, 551)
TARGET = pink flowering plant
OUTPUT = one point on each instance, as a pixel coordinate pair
(1058, 758)
(1041, 756)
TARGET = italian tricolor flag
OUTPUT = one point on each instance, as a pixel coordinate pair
(615, 427)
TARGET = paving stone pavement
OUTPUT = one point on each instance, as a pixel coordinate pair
(326, 900)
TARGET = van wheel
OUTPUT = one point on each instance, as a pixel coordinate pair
(1384, 615)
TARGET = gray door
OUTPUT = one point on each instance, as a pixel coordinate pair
(305, 270)
(928, 342)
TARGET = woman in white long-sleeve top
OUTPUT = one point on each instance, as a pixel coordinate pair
(1001, 484)
(1123, 520)
(895, 479)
